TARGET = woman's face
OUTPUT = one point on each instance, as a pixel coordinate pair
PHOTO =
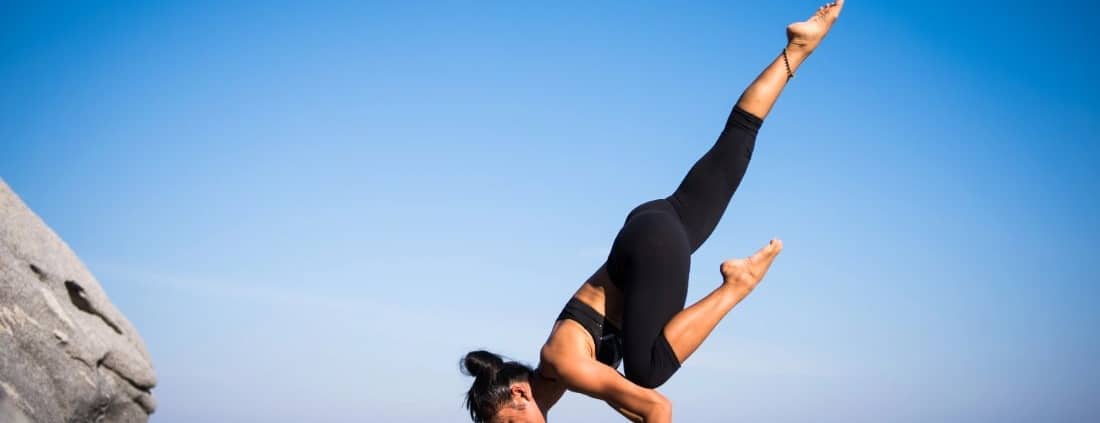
(522, 408)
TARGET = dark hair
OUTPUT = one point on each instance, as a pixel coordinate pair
(493, 379)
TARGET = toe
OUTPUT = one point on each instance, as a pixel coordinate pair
(769, 251)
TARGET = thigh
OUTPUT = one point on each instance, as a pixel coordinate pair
(649, 262)
(652, 243)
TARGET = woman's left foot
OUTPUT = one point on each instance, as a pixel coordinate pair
(805, 36)
(746, 273)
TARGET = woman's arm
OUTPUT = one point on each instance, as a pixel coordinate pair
(626, 413)
(599, 381)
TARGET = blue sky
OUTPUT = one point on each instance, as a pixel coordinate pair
(311, 212)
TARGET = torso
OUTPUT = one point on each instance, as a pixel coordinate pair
(569, 340)
(606, 336)
(600, 294)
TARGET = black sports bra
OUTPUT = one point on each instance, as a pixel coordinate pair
(607, 337)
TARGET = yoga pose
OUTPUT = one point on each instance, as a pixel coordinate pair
(631, 310)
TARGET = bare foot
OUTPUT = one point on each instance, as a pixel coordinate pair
(805, 36)
(746, 273)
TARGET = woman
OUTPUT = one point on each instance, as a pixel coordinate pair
(632, 309)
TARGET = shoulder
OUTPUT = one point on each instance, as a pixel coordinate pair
(565, 345)
(568, 343)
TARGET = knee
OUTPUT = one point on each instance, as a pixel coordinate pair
(648, 379)
(660, 366)
(655, 374)
(650, 382)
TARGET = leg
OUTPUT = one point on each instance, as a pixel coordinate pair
(687, 329)
(650, 258)
(802, 39)
(702, 197)
(649, 262)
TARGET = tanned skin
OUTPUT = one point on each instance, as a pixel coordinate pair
(568, 359)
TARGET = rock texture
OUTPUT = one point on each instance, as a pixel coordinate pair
(66, 353)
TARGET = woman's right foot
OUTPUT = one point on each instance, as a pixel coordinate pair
(805, 36)
(746, 273)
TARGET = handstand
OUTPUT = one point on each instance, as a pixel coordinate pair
(631, 310)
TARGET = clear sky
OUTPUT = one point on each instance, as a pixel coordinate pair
(311, 211)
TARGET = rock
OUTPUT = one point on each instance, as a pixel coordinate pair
(66, 353)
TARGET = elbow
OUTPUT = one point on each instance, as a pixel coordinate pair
(660, 411)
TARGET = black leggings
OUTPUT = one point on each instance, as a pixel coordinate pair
(651, 256)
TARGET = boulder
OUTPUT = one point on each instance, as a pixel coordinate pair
(66, 353)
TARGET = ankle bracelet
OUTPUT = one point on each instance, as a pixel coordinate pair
(790, 75)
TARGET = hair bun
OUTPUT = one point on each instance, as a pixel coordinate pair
(482, 364)
(493, 378)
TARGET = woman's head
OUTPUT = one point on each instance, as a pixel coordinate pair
(501, 391)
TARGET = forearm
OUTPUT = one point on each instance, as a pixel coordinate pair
(653, 408)
(627, 413)
(590, 377)
(659, 412)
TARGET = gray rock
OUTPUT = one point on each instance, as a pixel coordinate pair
(66, 353)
